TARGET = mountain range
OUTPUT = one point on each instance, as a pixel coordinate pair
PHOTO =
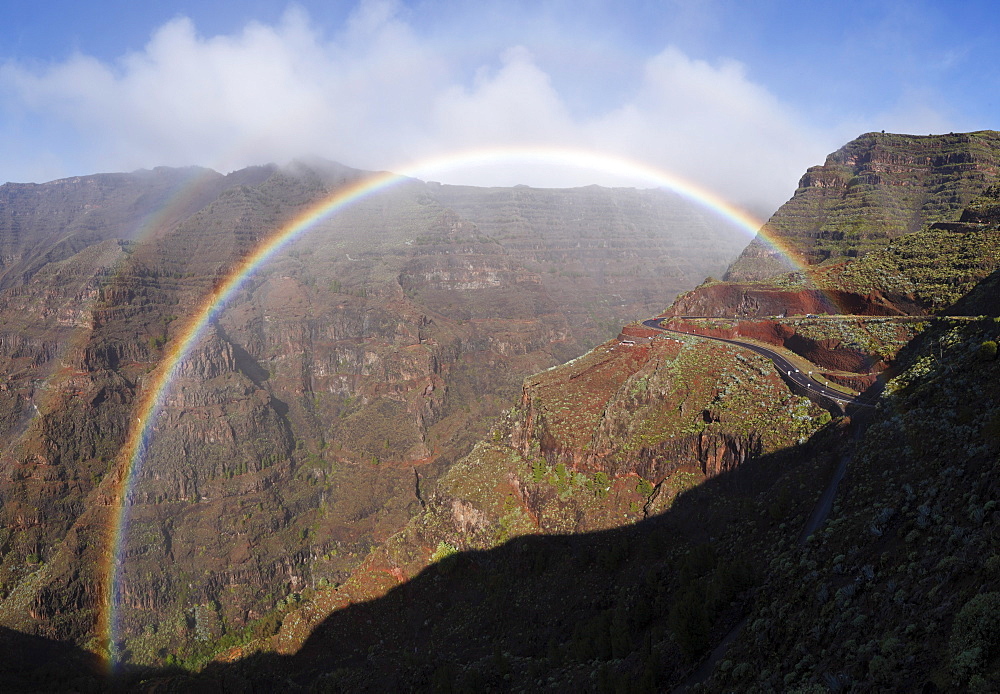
(426, 449)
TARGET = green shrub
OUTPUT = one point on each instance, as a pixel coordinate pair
(707, 587)
(538, 470)
(992, 565)
(988, 350)
(443, 551)
(991, 430)
(975, 635)
(690, 622)
(645, 487)
(601, 485)
(981, 685)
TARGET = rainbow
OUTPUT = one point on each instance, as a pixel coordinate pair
(133, 452)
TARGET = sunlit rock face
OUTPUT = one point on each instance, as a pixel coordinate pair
(874, 188)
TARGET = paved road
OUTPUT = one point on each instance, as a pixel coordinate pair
(803, 380)
(823, 505)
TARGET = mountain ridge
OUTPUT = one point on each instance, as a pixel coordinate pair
(874, 188)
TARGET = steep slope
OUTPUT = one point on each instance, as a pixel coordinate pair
(44, 223)
(887, 227)
(74, 399)
(940, 265)
(614, 437)
(899, 587)
(575, 547)
(563, 236)
(896, 589)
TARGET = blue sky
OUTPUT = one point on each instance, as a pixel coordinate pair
(739, 97)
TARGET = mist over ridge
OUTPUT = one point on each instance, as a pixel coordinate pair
(385, 81)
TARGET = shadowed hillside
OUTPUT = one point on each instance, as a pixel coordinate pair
(639, 604)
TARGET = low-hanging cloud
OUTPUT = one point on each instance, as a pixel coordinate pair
(379, 92)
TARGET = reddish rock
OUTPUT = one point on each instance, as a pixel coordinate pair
(727, 300)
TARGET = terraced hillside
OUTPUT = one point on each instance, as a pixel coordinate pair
(869, 191)
(571, 253)
(932, 270)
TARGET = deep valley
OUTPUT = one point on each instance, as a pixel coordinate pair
(431, 446)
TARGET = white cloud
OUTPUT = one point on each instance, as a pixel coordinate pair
(517, 104)
(718, 127)
(379, 93)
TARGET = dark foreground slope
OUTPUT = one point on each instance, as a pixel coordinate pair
(900, 586)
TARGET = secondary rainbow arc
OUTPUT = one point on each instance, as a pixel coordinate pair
(141, 431)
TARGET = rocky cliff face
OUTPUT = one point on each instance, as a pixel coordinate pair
(923, 210)
(571, 252)
(45, 223)
(315, 417)
(875, 188)
(611, 438)
(654, 406)
(730, 299)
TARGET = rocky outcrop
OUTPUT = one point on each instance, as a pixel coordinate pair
(630, 409)
(873, 189)
(728, 300)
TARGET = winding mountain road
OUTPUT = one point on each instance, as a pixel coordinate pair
(787, 369)
(823, 505)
